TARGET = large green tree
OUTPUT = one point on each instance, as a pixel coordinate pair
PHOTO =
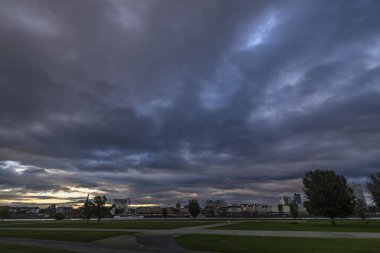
(373, 186)
(309, 209)
(328, 194)
(194, 208)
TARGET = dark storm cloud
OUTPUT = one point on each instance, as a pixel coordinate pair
(169, 100)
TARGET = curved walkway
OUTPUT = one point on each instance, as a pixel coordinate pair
(204, 230)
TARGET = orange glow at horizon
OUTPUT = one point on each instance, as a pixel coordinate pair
(48, 197)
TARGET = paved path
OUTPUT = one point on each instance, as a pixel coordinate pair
(204, 230)
(313, 234)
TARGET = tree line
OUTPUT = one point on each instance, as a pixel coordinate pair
(328, 195)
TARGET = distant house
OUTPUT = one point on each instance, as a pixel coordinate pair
(234, 211)
(24, 212)
(149, 210)
(66, 210)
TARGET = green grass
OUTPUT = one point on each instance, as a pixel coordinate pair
(305, 225)
(107, 224)
(9, 248)
(246, 244)
(74, 236)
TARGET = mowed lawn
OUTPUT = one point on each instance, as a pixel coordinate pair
(73, 236)
(162, 224)
(9, 248)
(246, 244)
(305, 225)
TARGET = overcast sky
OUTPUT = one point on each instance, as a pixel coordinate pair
(169, 100)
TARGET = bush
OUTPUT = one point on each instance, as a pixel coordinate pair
(59, 216)
(194, 208)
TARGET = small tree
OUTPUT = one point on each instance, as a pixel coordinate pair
(280, 209)
(164, 212)
(4, 212)
(100, 208)
(360, 208)
(194, 208)
(59, 216)
(328, 194)
(294, 210)
(88, 209)
(373, 186)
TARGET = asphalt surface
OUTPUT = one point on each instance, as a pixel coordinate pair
(196, 230)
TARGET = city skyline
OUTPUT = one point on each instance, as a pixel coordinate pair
(161, 101)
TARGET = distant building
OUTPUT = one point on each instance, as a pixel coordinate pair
(149, 210)
(177, 210)
(24, 212)
(358, 192)
(66, 210)
(234, 210)
(285, 209)
(297, 199)
(214, 208)
(259, 210)
(121, 207)
(285, 200)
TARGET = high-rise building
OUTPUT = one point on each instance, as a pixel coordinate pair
(358, 192)
(297, 199)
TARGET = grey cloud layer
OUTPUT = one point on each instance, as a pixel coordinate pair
(161, 100)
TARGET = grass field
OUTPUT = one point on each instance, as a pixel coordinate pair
(305, 225)
(73, 236)
(9, 248)
(107, 224)
(246, 244)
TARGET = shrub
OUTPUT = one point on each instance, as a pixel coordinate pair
(59, 216)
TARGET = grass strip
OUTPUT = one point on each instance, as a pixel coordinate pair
(254, 244)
